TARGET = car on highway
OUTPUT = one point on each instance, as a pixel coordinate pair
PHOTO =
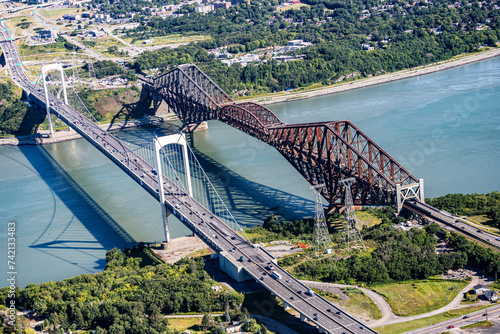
(451, 326)
(466, 316)
(479, 231)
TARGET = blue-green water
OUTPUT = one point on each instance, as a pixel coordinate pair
(71, 204)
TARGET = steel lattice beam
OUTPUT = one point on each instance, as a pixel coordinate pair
(324, 152)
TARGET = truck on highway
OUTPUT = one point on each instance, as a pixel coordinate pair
(276, 275)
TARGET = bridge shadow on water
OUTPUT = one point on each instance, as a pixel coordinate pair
(248, 201)
(59, 236)
(252, 202)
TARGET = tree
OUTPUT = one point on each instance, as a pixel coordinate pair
(205, 322)
(226, 315)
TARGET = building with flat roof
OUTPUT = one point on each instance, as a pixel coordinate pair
(47, 34)
(204, 8)
(224, 5)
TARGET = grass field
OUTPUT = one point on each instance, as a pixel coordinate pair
(483, 220)
(54, 14)
(419, 297)
(404, 327)
(169, 39)
(367, 219)
(182, 324)
(358, 303)
(483, 323)
(14, 21)
(296, 6)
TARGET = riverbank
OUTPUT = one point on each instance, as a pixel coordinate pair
(305, 93)
(42, 137)
(298, 94)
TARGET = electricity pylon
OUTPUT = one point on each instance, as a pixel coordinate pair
(321, 237)
(351, 231)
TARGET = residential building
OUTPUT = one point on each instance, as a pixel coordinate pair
(491, 295)
(238, 2)
(480, 289)
(224, 5)
(367, 47)
(71, 17)
(47, 34)
(204, 8)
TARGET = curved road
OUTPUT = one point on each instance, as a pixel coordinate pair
(388, 316)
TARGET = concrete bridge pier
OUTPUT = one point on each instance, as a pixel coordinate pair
(303, 317)
(321, 330)
(285, 305)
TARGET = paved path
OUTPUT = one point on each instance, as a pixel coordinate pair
(193, 315)
(388, 316)
(383, 306)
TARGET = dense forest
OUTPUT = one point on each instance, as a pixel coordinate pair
(399, 256)
(130, 296)
(403, 35)
(106, 68)
(470, 205)
(16, 117)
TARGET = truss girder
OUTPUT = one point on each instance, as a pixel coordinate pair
(185, 97)
(321, 154)
(324, 152)
(376, 155)
(242, 119)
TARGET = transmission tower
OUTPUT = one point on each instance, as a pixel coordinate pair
(351, 231)
(91, 69)
(75, 70)
(321, 238)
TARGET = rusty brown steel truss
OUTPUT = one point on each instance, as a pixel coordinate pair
(323, 152)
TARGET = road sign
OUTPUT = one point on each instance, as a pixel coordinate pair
(18, 64)
(5, 29)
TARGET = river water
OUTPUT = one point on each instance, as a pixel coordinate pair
(70, 203)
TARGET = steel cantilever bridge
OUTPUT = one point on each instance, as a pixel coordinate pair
(322, 152)
(207, 226)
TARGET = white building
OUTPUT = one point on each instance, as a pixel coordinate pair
(480, 289)
(204, 8)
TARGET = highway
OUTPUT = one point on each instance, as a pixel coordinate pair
(471, 318)
(454, 223)
(200, 220)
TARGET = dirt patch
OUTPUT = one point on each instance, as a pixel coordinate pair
(179, 248)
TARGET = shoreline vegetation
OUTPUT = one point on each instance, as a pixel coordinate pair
(306, 93)
(286, 96)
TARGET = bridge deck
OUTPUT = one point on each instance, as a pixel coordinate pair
(214, 232)
(453, 223)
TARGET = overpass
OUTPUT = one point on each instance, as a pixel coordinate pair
(208, 227)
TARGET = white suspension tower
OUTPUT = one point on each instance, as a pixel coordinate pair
(351, 230)
(321, 238)
(45, 69)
